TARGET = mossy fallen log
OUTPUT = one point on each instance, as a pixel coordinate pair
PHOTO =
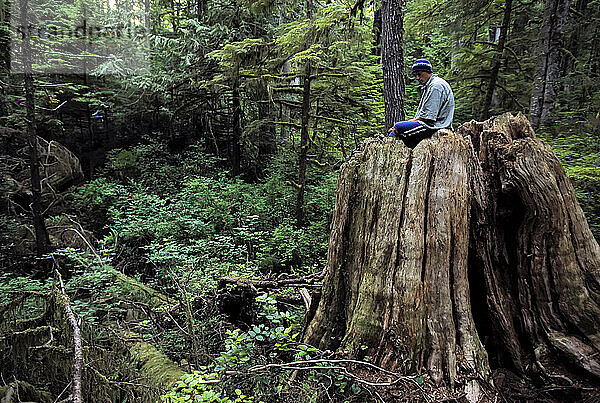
(20, 391)
(44, 349)
(154, 365)
(140, 292)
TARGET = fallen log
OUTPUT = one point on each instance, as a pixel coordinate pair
(20, 391)
(309, 281)
(238, 303)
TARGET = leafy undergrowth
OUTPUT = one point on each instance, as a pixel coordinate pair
(167, 227)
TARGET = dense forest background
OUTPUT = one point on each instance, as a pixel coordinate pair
(219, 158)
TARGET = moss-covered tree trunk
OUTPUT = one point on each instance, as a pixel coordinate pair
(471, 236)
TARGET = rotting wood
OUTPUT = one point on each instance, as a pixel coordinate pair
(47, 344)
(311, 280)
(538, 257)
(397, 271)
(485, 213)
(238, 303)
(154, 365)
(17, 390)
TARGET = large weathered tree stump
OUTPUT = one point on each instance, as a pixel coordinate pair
(472, 238)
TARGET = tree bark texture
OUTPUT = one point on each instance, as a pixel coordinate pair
(304, 143)
(539, 260)
(548, 66)
(392, 60)
(471, 236)
(487, 102)
(42, 239)
(236, 148)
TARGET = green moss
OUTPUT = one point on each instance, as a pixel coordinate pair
(23, 391)
(36, 331)
(142, 292)
(156, 366)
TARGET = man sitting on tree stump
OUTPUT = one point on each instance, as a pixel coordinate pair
(435, 111)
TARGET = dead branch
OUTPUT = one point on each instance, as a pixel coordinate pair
(511, 95)
(306, 298)
(343, 122)
(77, 345)
(48, 342)
(338, 366)
(326, 361)
(63, 391)
(310, 281)
(11, 389)
(293, 300)
(52, 109)
(286, 102)
(296, 125)
(343, 148)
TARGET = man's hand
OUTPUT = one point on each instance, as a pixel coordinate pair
(392, 130)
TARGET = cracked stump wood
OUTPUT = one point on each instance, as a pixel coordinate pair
(471, 236)
(397, 269)
(534, 254)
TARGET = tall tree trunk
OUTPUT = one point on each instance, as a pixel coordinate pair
(574, 42)
(304, 131)
(202, 9)
(487, 102)
(267, 140)
(469, 237)
(284, 110)
(174, 15)
(148, 18)
(392, 59)
(4, 56)
(88, 111)
(236, 153)
(548, 66)
(42, 239)
(377, 33)
(5, 8)
(304, 140)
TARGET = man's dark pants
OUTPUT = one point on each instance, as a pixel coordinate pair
(412, 132)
